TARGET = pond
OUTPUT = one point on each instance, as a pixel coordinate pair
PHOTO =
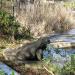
(60, 56)
(66, 37)
(5, 70)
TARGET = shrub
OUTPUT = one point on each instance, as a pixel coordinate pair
(50, 18)
(69, 68)
(9, 28)
(8, 25)
(23, 33)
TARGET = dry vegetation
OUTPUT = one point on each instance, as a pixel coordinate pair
(40, 18)
(46, 18)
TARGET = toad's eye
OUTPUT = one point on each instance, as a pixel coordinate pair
(48, 41)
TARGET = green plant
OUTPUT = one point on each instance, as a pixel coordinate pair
(69, 68)
(2, 72)
(12, 73)
(23, 33)
(8, 25)
(57, 50)
(66, 69)
(73, 61)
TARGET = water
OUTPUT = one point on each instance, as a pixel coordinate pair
(61, 56)
(71, 32)
(7, 70)
(66, 37)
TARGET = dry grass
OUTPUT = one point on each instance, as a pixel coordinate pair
(43, 18)
(49, 18)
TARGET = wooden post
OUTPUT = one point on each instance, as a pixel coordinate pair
(19, 5)
(1, 4)
(12, 37)
(13, 10)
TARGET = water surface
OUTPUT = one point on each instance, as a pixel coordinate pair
(60, 56)
(7, 70)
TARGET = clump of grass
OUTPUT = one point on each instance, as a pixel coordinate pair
(3, 73)
(49, 18)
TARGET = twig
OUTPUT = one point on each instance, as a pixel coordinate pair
(48, 71)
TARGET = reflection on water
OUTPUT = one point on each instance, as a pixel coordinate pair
(66, 37)
(59, 56)
(7, 70)
(71, 32)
